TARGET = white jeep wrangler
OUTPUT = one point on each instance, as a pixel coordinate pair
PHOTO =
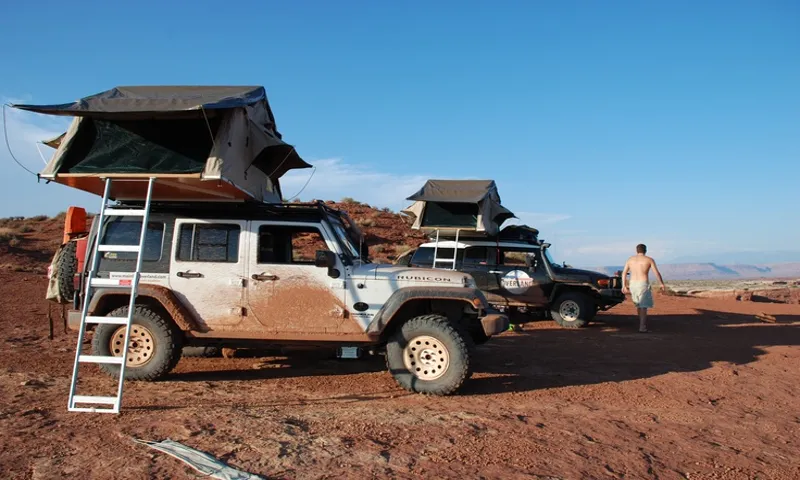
(259, 274)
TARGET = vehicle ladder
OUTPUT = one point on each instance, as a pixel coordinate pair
(451, 261)
(111, 403)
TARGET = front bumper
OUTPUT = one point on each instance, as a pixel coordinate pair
(610, 297)
(494, 323)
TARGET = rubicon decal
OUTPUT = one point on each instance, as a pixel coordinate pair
(517, 281)
(422, 279)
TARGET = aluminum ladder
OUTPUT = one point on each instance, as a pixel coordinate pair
(453, 260)
(94, 282)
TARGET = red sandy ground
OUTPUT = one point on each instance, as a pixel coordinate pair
(711, 392)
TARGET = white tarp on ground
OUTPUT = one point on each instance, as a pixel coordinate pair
(200, 461)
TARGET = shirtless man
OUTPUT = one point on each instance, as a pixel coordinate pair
(639, 287)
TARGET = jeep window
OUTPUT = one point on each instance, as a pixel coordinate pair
(424, 256)
(475, 256)
(517, 257)
(202, 242)
(289, 244)
(126, 232)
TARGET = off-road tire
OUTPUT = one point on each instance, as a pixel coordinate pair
(167, 339)
(200, 352)
(66, 266)
(570, 302)
(457, 349)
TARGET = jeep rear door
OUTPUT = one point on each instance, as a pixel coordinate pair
(476, 263)
(207, 269)
(515, 277)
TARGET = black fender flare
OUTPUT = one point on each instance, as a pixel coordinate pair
(393, 304)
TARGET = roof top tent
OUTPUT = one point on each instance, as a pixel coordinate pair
(199, 142)
(453, 208)
(457, 206)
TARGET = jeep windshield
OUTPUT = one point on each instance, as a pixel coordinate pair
(550, 258)
(344, 238)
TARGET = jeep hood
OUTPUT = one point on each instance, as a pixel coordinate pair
(406, 276)
(577, 275)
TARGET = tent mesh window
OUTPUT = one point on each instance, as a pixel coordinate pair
(445, 214)
(151, 146)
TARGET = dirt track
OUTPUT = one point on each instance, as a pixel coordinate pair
(710, 393)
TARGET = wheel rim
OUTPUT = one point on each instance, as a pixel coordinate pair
(141, 345)
(426, 357)
(569, 310)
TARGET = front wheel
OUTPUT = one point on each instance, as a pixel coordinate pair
(154, 344)
(428, 355)
(573, 310)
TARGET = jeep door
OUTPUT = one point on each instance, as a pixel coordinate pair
(517, 277)
(207, 269)
(287, 295)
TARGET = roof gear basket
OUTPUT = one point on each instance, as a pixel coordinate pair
(200, 142)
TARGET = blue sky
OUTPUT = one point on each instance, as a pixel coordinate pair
(605, 124)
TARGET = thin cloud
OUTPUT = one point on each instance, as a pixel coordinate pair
(537, 218)
(335, 179)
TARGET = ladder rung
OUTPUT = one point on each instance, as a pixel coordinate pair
(108, 320)
(449, 260)
(124, 212)
(118, 248)
(112, 282)
(93, 399)
(101, 359)
(93, 410)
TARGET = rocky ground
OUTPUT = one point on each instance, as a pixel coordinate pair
(711, 392)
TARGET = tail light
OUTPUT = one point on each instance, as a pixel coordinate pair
(604, 282)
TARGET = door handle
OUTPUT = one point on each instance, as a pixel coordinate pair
(189, 275)
(262, 277)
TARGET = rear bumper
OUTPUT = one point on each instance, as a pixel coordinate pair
(494, 323)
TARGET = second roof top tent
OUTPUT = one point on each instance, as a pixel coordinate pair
(206, 143)
(456, 208)
(453, 207)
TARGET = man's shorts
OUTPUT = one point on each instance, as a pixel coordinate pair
(641, 295)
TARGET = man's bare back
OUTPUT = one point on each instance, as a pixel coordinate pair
(639, 267)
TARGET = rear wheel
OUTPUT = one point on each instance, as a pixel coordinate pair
(428, 355)
(573, 310)
(154, 345)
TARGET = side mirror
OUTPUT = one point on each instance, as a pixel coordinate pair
(327, 259)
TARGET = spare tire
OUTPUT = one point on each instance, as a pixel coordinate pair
(65, 268)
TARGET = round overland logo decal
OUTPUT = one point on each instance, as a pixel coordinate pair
(516, 281)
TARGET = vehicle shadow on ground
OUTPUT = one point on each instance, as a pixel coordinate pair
(613, 350)
(269, 364)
